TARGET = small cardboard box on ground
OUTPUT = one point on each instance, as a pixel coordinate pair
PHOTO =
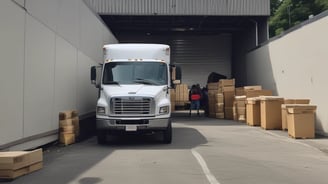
(17, 163)
(301, 121)
(287, 102)
(271, 112)
(253, 113)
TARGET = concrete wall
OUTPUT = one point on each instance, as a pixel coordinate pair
(295, 66)
(46, 50)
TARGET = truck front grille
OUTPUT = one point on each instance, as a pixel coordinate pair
(132, 106)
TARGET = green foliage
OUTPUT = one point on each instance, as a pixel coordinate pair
(287, 13)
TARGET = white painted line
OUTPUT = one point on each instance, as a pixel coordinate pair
(206, 170)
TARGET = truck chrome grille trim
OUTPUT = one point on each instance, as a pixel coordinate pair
(131, 106)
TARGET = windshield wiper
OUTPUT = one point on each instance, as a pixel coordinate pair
(145, 81)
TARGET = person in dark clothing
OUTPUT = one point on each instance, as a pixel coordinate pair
(195, 96)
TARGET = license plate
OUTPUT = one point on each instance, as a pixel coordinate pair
(131, 128)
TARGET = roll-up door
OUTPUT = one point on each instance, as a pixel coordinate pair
(198, 56)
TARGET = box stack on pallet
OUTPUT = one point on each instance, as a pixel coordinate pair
(253, 113)
(271, 112)
(18, 163)
(181, 94)
(227, 87)
(240, 108)
(301, 121)
(69, 128)
(290, 103)
(215, 101)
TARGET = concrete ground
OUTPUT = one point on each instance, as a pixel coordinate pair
(204, 150)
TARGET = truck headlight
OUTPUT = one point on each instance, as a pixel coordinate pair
(100, 110)
(164, 110)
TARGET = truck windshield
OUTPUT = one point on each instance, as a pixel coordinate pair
(149, 73)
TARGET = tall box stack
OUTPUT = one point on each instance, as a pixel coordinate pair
(181, 94)
(240, 105)
(172, 99)
(227, 86)
(18, 163)
(213, 98)
(219, 106)
(301, 121)
(253, 113)
(271, 112)
(284, 106)
(68, 127)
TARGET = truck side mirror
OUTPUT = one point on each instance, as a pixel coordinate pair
(178, 73)
(94, 75)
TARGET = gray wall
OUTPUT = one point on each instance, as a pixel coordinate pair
(46, 50)
(295, 66)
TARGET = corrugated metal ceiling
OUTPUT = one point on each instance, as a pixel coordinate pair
(182, 7)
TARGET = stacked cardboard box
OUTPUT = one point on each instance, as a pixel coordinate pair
(240, 108)
(17, 163)
(227, 86)
(252, 91)
(181, 94)
(253, 114)
(271, 112)
(219, 106)
(172, 99)
(241, 91)
(284, 106)
(68, 127)
(301, 120)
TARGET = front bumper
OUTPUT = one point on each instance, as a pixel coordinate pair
(139, 125)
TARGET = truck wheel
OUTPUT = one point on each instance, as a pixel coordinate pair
(101, 137)
(167, 134)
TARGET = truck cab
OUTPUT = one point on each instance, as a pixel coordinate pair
(134, 85)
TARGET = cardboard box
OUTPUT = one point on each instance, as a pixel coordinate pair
(241, 111)
(240, 91)
(212, 86)
(219, 98)
(227, 82)
(297, 101)
(177, 82)
(226, 88)
(67, 138)
(12, 174)
(253, 114)
(284, 110)
(66, 122)
(14, 160)
(219, 107)
(219, 115)
(228, 113)
(301, 121)
(67, 114)
(182, 93)
(257, 93)
(229, 98)
(271, 112)
(240, 101)
(67, 129)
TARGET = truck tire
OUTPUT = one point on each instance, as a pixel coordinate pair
(101, 137)
(167, 134)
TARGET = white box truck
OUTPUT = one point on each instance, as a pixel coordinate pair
(134, 93)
